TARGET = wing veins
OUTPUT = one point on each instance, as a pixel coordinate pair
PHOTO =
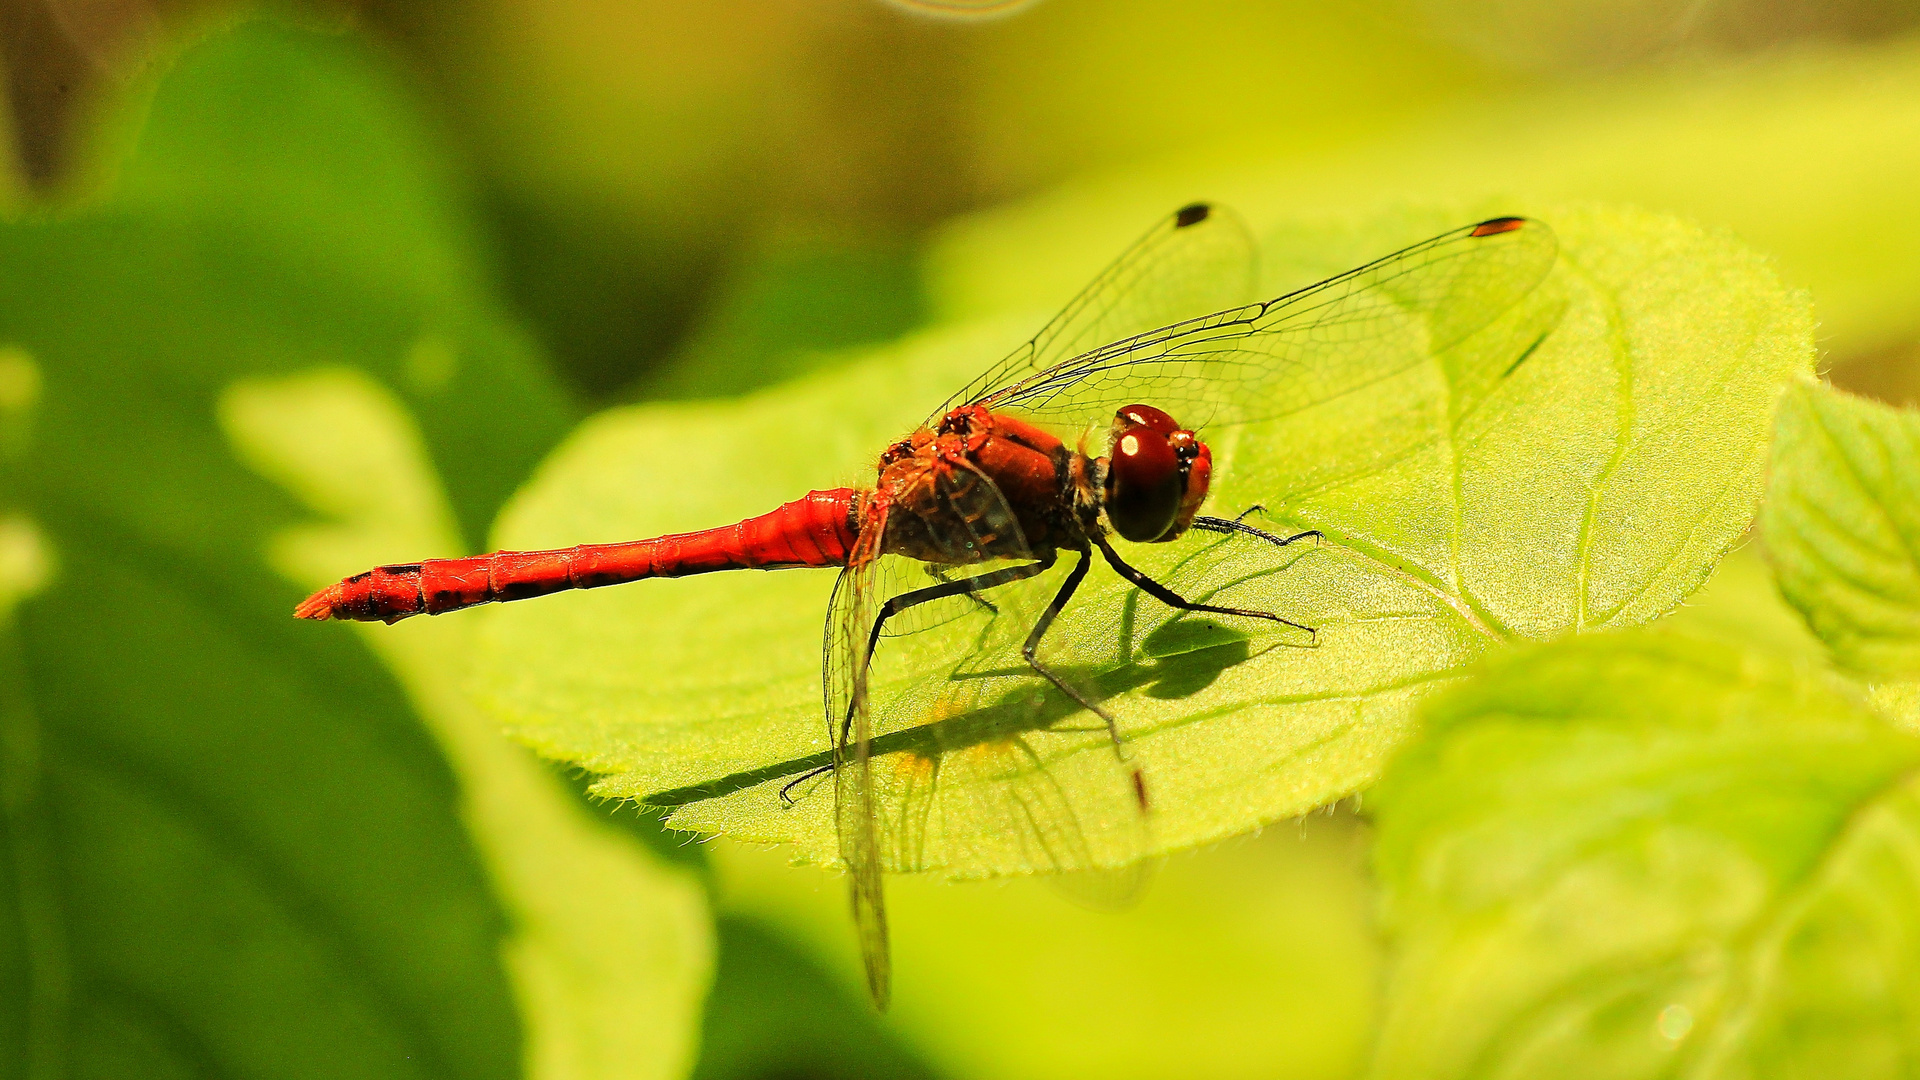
(1242, 346)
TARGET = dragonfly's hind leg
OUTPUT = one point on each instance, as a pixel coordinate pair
(1175, 600)
(945, 576)
(963, 586)
(786, 789)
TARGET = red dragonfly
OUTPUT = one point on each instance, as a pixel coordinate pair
(1086, 433)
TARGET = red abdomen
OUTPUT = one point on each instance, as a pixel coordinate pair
(817, 530)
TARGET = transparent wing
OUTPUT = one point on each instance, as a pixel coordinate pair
(1281, 356)
(979, 761)
(950, 753)
(876, 598)
(850, 614)
(1198, 259)
(947, 743)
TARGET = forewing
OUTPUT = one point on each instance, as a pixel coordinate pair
(975, 760)
(1198, 259)
(1282, 356)
(883, 829)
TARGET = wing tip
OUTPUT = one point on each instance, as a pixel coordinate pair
(880, 986)
(870, 924)
(1192, 214)
(1496, 226)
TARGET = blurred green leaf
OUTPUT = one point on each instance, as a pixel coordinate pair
(784, 309)
(1255, 958)
(33, 982)
(1842, 522)
(26, 563)
(603, 932)
(286, 208)
(774, 1012)
(1741, 605)
(1595, 487)
(1808, 153)
(231, 847)
(1634, 855)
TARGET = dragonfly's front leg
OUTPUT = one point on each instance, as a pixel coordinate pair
(1238, 524)
(1175, 600)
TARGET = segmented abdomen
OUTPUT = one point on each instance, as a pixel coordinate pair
(817, 530)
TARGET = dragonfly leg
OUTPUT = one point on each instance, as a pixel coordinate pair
(1031, 650)
(945, 575)
(786, 789)
(963, 586)
(1238, 525)
(1175, 600)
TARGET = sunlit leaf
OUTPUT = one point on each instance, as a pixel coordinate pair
(1842, 524)
(1637, 856)
(1521, 486)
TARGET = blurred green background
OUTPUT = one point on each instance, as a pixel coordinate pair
(234, 848)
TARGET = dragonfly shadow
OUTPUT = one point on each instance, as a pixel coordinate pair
(1031, 706)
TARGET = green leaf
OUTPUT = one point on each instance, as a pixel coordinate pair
(775, 1011)
(229, 845)
(1842, 523)
(1635, 855)
(602, 931)
(1806, 152)
(1520, 486)
(1256, 952)
(284, 207)
(1741, 605)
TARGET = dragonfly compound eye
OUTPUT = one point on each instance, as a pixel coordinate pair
(1144, 416)
(1144, 484)
(1196, 475)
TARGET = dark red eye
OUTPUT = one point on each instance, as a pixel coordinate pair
(1145, 416)
(1143, 483)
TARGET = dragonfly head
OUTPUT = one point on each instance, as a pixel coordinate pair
(1157, 475)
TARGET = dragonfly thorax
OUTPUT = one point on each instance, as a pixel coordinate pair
(981, 485)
